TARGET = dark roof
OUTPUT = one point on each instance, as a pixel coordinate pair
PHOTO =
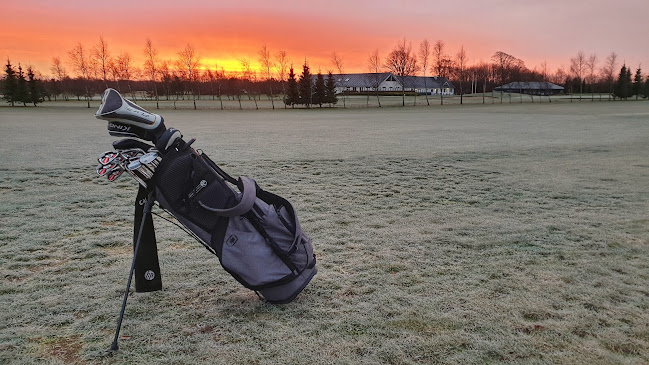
(358, 80)
(372, 79)
(420, 82)
(529, 85)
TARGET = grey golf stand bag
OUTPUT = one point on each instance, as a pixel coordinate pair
(254, 233)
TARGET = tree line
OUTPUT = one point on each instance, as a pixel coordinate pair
(21, 88)
(188, 78)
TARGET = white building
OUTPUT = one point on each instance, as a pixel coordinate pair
(387, 82)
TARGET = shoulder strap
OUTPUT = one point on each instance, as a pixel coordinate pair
(248, 189)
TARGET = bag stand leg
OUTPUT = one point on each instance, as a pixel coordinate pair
(147, 211)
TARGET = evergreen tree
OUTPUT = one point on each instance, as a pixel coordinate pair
(306, 86)
(330, 92)
(22, 94)
(628, 84)
(35, 88)
(319, 94)
(646, 88)
(623, 84)
(636, 88)
(10, 84)
(292, 93)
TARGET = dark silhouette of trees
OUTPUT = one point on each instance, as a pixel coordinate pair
(292, 93)
(21, 88)
(10, 84)
(636, 88)
(330, 87)
(319, 91)
(305, 86)
(22, 93)
(35, 89)
(623, 85)
(507, 68)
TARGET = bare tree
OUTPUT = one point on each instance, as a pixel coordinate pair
(250, 77)
(424, 55)
(189, 61)
(151, 67)
(282, 67)
(374, 66)
(337, 60)
(402, 64)
(545, 76)
(483, 72)
(438, 54)
(102, 57)
(591, 65)
(115, 73)
(126, 70)
(507, 67)
(79, 59)
(608, 72)
(460, 61)
(59, 73)
(578, 68)
(264, 59)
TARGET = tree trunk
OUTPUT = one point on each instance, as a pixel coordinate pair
(272, 100)
(220, 97)
(461, 93)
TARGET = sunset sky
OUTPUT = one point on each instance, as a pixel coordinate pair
(223, 32)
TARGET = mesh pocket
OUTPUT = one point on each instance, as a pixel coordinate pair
(182, 178)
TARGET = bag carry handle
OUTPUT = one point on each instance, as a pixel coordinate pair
(249, 194)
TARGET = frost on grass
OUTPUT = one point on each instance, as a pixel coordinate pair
(509, 253)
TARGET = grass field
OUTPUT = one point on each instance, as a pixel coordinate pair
(476, 234)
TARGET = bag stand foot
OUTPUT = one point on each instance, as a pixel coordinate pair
(147, 212)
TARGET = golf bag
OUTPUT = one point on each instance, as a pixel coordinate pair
(255, 234)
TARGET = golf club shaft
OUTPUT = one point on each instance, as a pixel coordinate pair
(147, 211)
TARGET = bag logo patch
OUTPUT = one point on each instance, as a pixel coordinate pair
(197, 189)
(149, 275)
(232, 240)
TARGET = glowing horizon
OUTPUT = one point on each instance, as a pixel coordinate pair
(222, 35)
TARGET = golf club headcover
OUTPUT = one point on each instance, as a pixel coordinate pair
(147, 267)
(128, 143)
(114, 108)
(168, 138)
(118, 129)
